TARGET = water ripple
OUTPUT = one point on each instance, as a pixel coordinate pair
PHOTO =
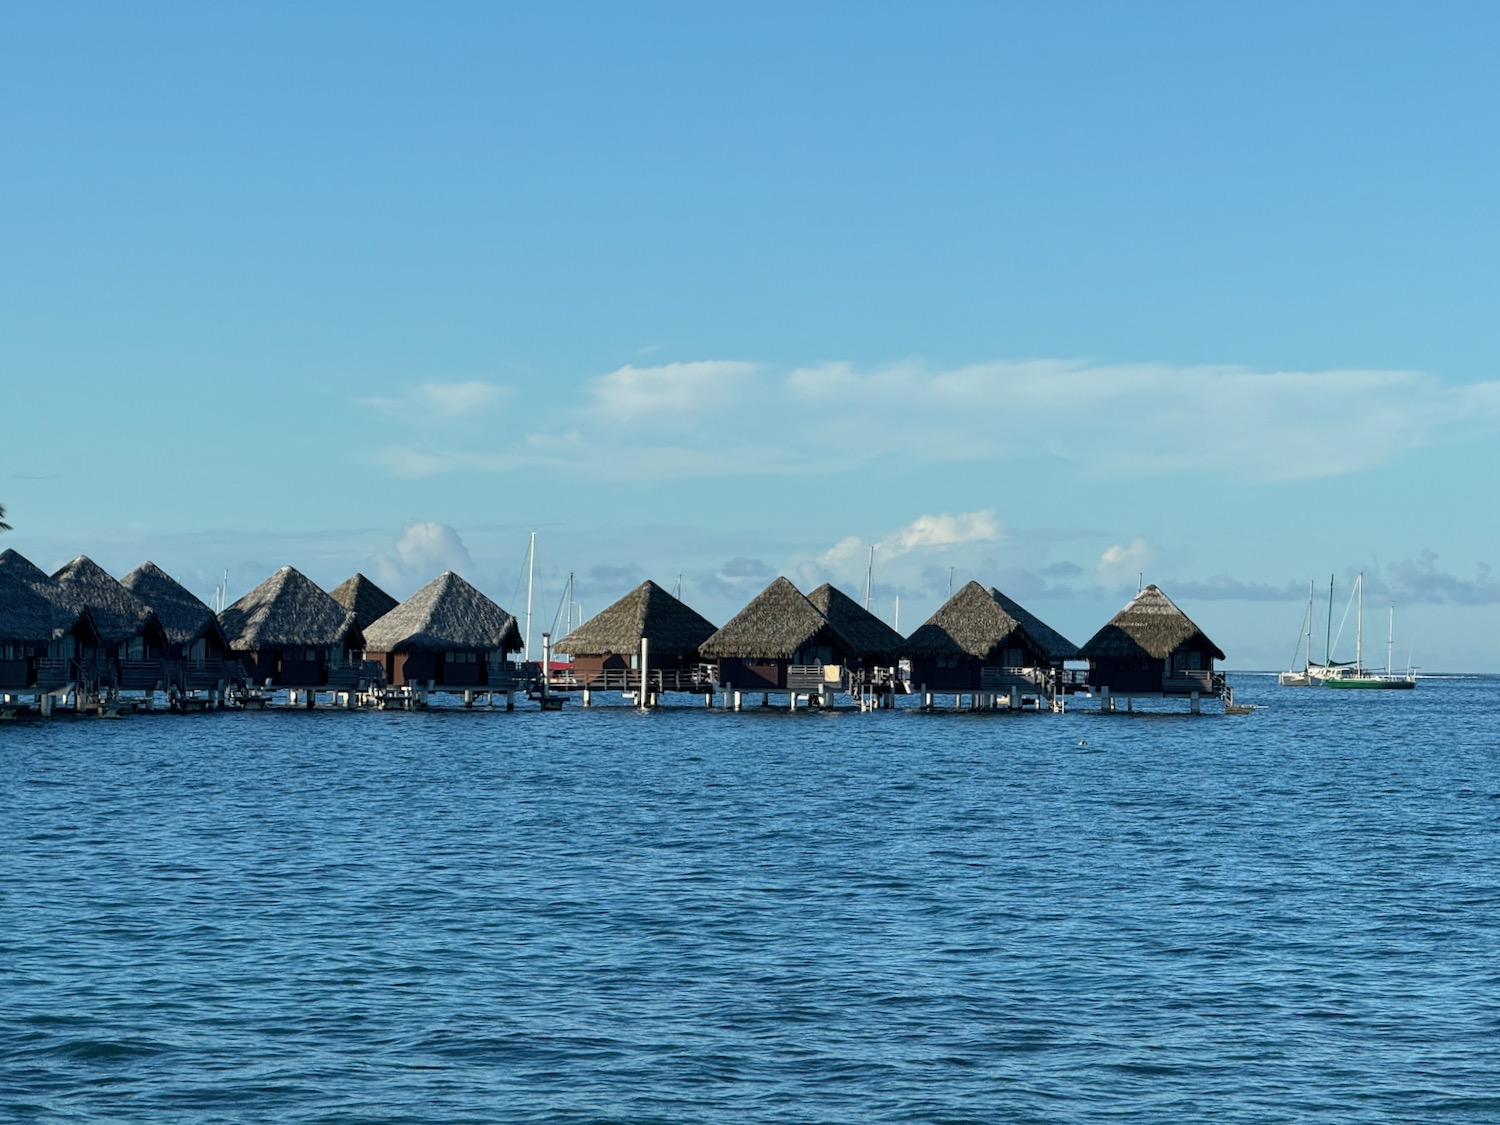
(684, 916)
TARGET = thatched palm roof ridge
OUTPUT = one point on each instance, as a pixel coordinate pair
(288, 609)
(23, 568)
(970, 623)
(776, 623)
(182, 614)
(975, 621)
(673, 628)
(32, 608)
(872, 637)
(1053, 643)
(368, 602)
(446, 615)
(1151, 626)
(118, 614)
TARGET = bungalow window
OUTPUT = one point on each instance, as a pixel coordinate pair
(1191, 661)
(137, 649)
(462, 657)
(814, 654)
(947, 660)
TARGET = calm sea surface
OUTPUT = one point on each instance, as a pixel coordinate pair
(603, 916)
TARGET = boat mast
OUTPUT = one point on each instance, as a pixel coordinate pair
(1307, 653)
(869, 577)
(1359, 623)
(1328, 636)
(530, 574)
(1390, 638)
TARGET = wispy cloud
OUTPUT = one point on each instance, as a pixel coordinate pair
(1075, 421)
(433, 401)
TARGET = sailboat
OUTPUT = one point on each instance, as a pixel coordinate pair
(1301, 677)
(1311, 674)
(1357, 676)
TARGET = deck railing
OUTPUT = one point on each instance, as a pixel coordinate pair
(629, 679)
(817, 677)
(1188, 680)
(55, 672)
(1005, 678)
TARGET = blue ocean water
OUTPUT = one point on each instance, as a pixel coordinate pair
(690, 916)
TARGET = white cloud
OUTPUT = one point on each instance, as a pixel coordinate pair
(926, 533)
(1119, 564)
(943, 531)
(421, 553)
(670, 391)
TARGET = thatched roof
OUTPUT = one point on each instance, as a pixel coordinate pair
(367, 601)
(184, 617)
(778, 622)
(975, 621)
(33, 609)
(1053, 643)
(872, 637)
(118, 614)
(287, 610)
(673, 628)
(446, 615)
(1150, 627)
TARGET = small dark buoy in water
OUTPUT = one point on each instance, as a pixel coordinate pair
(1083, 742)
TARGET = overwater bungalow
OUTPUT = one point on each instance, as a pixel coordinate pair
(606, 649)
(1151, 648)
(196, 648)
(981, 641)
(132, 642)
(781, 642)
(289, 633)
(446, 637)
(367, 601)
(878, 647)
(41, 634)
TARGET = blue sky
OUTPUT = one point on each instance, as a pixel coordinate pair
(1050, 296)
